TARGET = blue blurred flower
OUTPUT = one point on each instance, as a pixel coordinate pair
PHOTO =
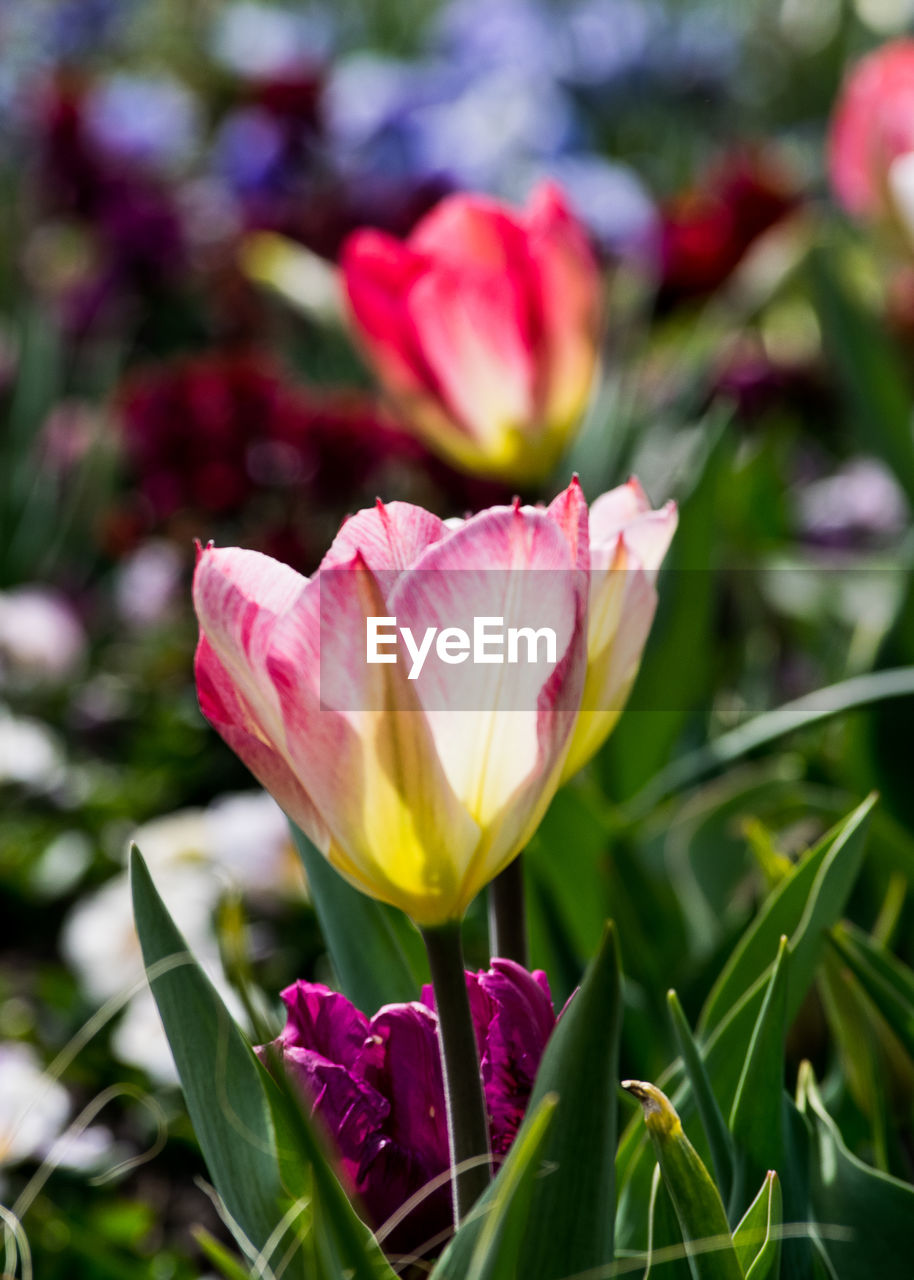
(263, 40)
(144, 119)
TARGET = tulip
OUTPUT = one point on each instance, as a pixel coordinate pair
(483, 326)
(422, 791)
(377, 1086)
(628, 541)
(871, 141)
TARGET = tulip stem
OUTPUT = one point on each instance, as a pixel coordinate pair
(467, 1127)
(507, 914)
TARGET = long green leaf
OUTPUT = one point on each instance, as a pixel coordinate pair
(498, 1251)
(712, 1120)
(808, 913)
(817, 888)
(341, 1238)
(221, 1079)
(757, 1113)
(888, 982)
(376, 960)
(762, 731)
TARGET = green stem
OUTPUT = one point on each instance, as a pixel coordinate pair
(468, 1131)
(507, 914)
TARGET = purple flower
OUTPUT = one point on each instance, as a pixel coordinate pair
(376, 1084)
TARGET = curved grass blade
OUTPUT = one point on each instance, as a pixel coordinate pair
(762, 731)
(816, 890)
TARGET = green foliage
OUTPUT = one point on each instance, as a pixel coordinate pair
(376, 952)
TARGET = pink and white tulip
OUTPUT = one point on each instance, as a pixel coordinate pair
(483, 325)
(421, 790)
(871, 141)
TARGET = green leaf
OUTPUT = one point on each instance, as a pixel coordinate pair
(762, 731)
(219, 1256)
(888, 982)
(865, 1218)
(804, 909)
(757, 1238)
(571, 1220)
(756, 1118)
(852, 1022)
(666, 1253)
(699, 1208)
(868, 365)
(712, 1120)
(221, 1078)
(815, 892)
(498, 1251)
(376, 953)
(680, 639)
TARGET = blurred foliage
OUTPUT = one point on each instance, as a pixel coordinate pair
(775, 407)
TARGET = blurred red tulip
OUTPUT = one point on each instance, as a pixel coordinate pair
(872, 138)
(483, 326)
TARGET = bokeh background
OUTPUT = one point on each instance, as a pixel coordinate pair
(168, 372)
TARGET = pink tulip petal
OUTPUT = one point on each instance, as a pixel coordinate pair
(474, 233)
(389, 536)
(234, 719)
(500, 730)
(569, 511)
(239, 597)
(380, 786)
(872, 126)
(569, 303)
(612, 511)
(377, 273)
(476, 338)
(648, 537)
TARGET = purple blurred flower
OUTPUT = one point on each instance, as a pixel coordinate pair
(859, 506)
(377, 1085)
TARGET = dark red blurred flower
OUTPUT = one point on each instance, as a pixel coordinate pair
(205, 433)
(706, 231)
(376, 1084)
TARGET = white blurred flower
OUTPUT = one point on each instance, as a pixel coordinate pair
(193, 854)
(30, 754)
(35, 1113)
(147, 583)
(247, 833)
(41, 638)
(99, 940)
(33, 1110)
(139, 1038)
